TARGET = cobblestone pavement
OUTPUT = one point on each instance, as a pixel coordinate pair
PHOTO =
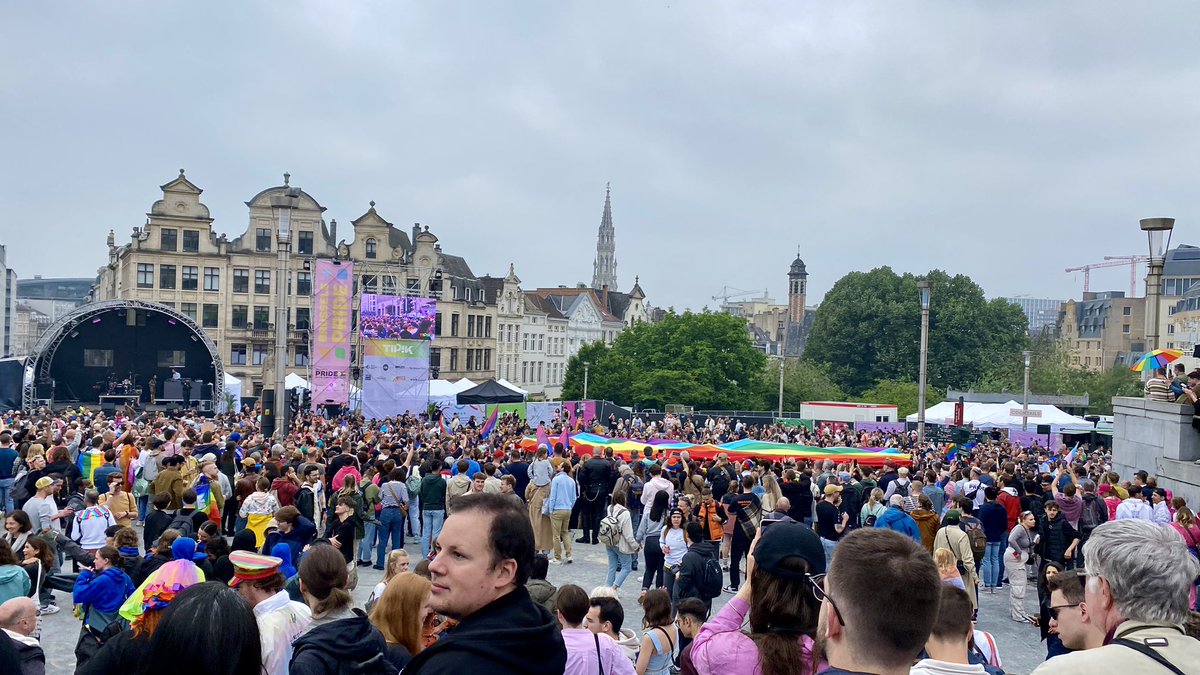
(1019, 643)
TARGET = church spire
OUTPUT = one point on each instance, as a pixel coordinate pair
(604, 269)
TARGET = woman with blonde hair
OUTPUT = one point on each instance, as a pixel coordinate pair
(397, 563)
(400, 616)
(947, 566)
(771, 491)
(874, 508)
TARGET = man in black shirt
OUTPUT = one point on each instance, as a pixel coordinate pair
(831, 521)
(745, 508)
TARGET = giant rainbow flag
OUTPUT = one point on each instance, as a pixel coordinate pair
(736, 451)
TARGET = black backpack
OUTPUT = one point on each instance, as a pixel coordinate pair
(711, 579)
(183, 523)
(21, 491)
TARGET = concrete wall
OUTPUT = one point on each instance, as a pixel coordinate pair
(1159, 438)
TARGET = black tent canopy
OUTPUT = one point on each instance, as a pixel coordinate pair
(489, 392)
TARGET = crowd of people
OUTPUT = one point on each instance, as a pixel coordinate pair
(167, 535)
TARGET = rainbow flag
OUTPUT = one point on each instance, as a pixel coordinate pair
(442, 424)
(88, 462)
(543, 438)
(489, 425)
(736, 451)
(952, 454)
(205, 502)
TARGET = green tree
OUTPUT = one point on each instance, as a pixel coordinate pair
(868, 329)
(904, 394)
(702, 359)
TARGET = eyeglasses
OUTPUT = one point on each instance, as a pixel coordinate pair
(1054, 610)
(818, 586)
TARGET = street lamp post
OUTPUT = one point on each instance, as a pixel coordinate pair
(1154, 229)
(282, 206)
(923, 292)
(1025, 404)
(781, 364)
(586, 365)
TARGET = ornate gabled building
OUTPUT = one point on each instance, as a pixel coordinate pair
(226, 285)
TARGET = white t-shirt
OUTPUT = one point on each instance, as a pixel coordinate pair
(41, 511)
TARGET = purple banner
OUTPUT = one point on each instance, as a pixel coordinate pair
(333, 287)
(578, 413)
(885, 427)
(1027, 438)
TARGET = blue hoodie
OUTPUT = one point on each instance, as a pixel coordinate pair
(104, 592)
(895, 519)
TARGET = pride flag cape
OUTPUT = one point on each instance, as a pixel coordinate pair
(736, 451)
(442, 424)
(542, 439)
(88, 462)
(157, 591)
(206, 503)
(1071, 455)
(489, 425)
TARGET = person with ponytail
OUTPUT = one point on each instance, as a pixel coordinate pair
(339, 634)
(785, 563)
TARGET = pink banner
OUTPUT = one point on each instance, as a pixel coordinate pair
(331, 314)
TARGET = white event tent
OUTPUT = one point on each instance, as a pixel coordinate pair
(999, 416)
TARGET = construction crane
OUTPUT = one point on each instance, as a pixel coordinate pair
(725, 295)
(1112, 261)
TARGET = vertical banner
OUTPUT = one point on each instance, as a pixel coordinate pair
(331, 315)
(395, 377)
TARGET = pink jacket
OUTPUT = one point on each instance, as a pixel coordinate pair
(721, 648)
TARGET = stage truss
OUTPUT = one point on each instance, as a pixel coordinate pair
(38, 367)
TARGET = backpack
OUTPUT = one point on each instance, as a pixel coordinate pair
(1094, 513)
(869, 521)
(977, 538)
(711, 579)
(183, 523)
(610, 530)
(20, 491)
(972, 492)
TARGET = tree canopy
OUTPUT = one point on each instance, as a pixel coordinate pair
(868, 329)
(702, 359)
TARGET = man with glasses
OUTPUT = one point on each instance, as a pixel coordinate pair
(18, 619)
(879, 602)
(1138, 578)
(1068, 612)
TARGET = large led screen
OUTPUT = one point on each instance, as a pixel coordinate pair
(393, 317)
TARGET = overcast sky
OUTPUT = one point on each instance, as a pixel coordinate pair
(1004, 140)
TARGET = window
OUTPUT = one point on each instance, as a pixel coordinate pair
(435, 357)
(262, 317)
(188, 309)
(487, 359)
(414, 286)
(191, 241)
(302, 318)
(241, 280)
(524, 371)
(304, 243)
(453, 358)
(1170, 329)
(191, 278)
(1125, 328)
(470, 332)
(541, 342)
(237, 317)
(1126, 311)
(209, 317)
(237, 354)
(259, 354)
(262, 281)
(437, 324)
(303, 283)
(453, 329)
(212, 279)
(168, 239)
(97, 358)
(539, 371)
(371, 248)
(370, 282)
(389, 284)
(172, 358)
(301, 355)
(470, 359)
(166, 276)
(487, 326)
(145, 275)
(262, 239)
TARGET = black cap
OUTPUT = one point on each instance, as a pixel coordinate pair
(781, 541)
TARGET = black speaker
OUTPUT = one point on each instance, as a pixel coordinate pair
(268, 413)
(1196, 352)
(109, 408)
(1043, 429)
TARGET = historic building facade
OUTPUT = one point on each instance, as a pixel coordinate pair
(227, 285)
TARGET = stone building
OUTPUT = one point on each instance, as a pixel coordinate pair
(1103, 330)
(227, 285)
(778, 329)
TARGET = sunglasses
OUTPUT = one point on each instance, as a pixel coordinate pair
(1055, 609)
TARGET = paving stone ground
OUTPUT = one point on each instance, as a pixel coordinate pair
(1020, 645)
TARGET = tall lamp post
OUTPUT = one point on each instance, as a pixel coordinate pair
(282, 206)
(1155, 228)
(923, 291)
(586, 365)
(1025, 404)
(781, 363)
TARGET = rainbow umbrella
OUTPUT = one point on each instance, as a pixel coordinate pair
(1156, 359)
